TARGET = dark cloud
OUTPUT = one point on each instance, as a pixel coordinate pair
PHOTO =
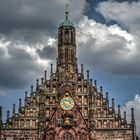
(47, 52)
(35, 15)
(17, 70)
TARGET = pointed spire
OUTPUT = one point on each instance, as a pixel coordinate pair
(91, 82)
(37, 84)
(26, 94)
(42, 81)
(32, 89)
(132, 117)
(125, 115)
(0, 117)
(107, 100)
(8, 114)
(113, 105)
(119, 111)
(101, 90)
(82, 71)
(95, 84)
(51, 69)
(19, 107)
(45, 75)
(87, 74)
(67, 11)
(0, 113)
(14, 109)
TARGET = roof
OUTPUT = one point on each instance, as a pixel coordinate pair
(66, 23)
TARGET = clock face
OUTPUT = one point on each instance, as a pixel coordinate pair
(67, 103)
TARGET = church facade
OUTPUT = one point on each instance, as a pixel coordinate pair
(67, 105)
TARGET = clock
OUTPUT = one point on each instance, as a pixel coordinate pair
(67, 103)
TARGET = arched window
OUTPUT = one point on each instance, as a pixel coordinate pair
(67, 136)
(83, 136)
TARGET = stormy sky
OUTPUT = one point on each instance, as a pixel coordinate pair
(108, 44)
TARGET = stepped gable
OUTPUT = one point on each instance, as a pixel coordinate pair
(67, 105)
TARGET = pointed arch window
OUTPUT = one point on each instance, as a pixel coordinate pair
(67, 136)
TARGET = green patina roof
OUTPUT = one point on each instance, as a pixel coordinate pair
(66, 23)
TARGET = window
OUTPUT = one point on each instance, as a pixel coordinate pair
(67, 136)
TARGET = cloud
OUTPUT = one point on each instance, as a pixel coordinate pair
(125, 13)
(36, 15)
(27, 37)
(109, 48)
(136, 105)
(20, 61)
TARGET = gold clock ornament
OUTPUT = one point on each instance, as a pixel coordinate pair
(67, 103)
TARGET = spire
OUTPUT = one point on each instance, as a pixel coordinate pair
(37, 84)
(91, 82)
(82, 71)
(67, 10)
(101, 90)
(19, 108)
(51, 69)
(119, 111)
(32, 89)
(26, 94)
(0, 117)
(42, 81)
(0, 113)
(14, 109)
(45, 75)
(95, 84)
(87, 74)
(107, 100)
(132, 117)
(113, 105)
(8, 114)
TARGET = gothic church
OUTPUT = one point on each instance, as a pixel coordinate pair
(67, 105)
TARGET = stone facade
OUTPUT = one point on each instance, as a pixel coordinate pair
(67, 105)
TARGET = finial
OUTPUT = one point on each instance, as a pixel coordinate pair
(14, 109)
(37, 84)
(32, 89)
(67, 10)
(125, 115)
(45, 76)
(87, 74)
(91, 82)
(19, 108)
(106, 95)
(119, 111)
(42, 81)
(51, 69)
(107, 100)
(0, 113)
(82, 71)
(26, 94)
(132, 117)
(8, 114)
(95, 83)
(101, 90)
(113, 105)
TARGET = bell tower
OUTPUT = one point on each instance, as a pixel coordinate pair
(67, 61)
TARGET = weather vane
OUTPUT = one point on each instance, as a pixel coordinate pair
(67, 10)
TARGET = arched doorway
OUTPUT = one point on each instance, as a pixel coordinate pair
(67, 136)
